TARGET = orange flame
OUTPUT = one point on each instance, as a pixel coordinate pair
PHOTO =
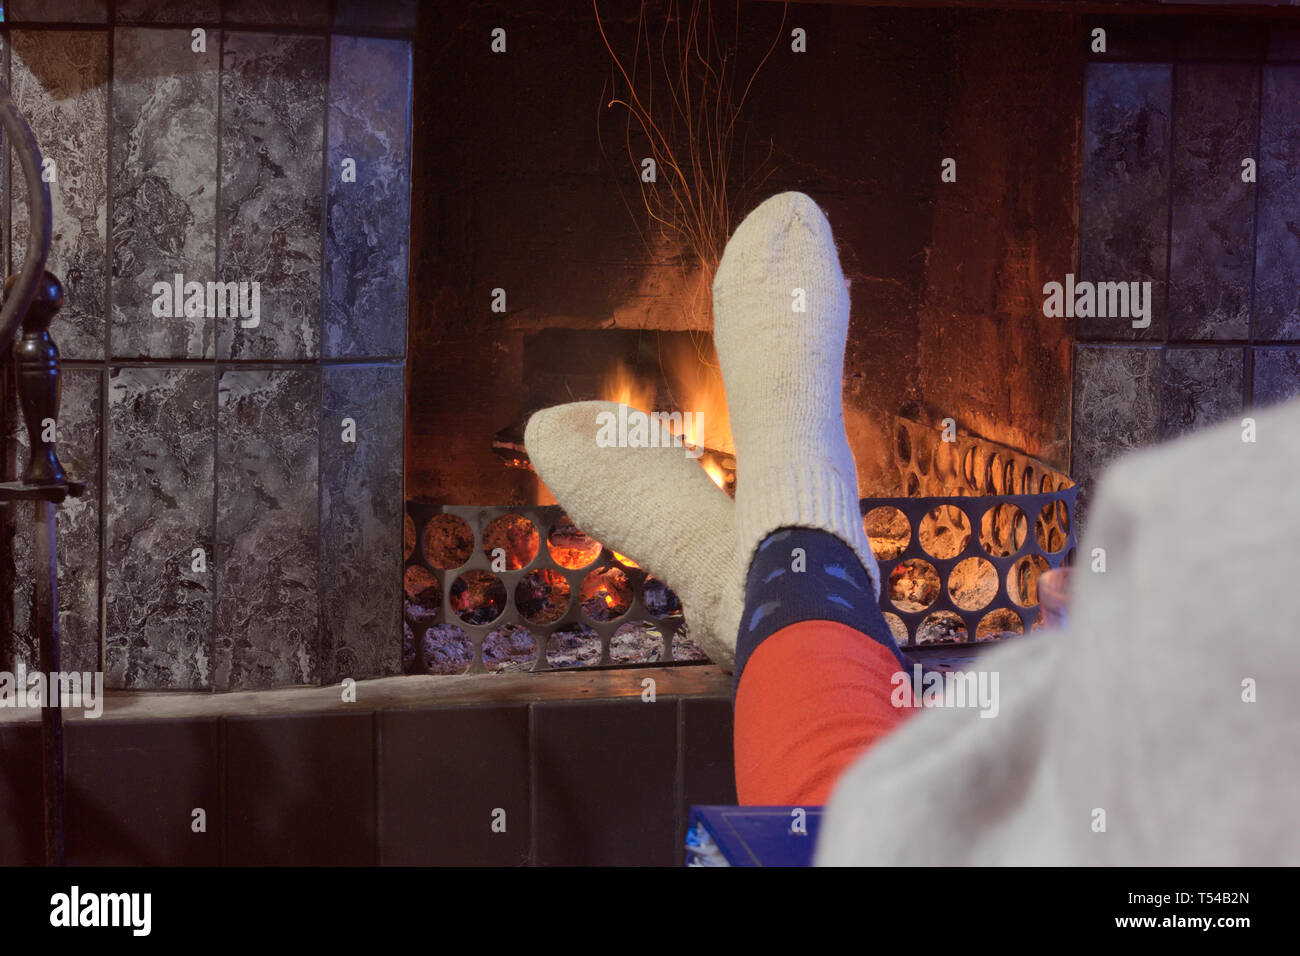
(691, 369)
(715, 472)
(622, 387)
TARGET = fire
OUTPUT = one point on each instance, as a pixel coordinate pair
(691, 370)
(622, 387)
(715, 472)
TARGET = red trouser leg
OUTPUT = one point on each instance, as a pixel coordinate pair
(812, 698)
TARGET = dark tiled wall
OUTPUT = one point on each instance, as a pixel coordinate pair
(1171, 113)
(595, 782)
(232, 534)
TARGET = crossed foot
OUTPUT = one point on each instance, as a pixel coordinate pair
(780, 321)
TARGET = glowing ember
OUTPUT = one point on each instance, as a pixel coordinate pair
(605, 594)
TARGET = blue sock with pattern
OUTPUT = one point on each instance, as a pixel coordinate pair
(805, 574)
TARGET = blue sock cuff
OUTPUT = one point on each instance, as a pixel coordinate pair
(805, 574)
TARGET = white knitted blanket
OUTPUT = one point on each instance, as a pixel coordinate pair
(1162, 727)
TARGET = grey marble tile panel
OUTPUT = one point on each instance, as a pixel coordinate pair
(159, 573)
(1277, 240)
(1200, 387)
(272, 137)
(1211, 252)
(60, 82)
(267, 617)
(368, 220)
(361, 521)
(1124, 189)
(78, 436)
(164, 180)
(1277, 375)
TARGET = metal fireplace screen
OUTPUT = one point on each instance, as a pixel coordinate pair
(520, 588)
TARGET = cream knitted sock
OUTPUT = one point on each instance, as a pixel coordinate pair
(780, 319)
(655, 505)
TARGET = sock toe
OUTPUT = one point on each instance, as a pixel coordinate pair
(654, 504)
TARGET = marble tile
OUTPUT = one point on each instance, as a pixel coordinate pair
(60, 82)
(1124, 189)
(286, 12)
(1116, 408)
(159, 510)
(1277, 240)
(78, 437)
(267, 621)
(375, 14)
(164, 180)
(169, 11)
(272, 136)
(1200, 387)
(361, 521)
(367, 229)
(1277, 375)
(56, 11)
(1210, 263)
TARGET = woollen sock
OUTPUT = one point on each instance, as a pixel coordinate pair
(804, 574)
(655, 505)
(780, 321)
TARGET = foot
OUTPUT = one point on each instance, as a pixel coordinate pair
(780, 320)
(655, 505)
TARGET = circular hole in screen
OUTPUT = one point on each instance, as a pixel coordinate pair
(636, 642)
(888, 531)
(913, 585)
(945, 531)
(998, 624)
(973, 583)
(542, 596)
(448, 542)
(1002, 530)
(510, 542)
(605, 594)
(478, 597)
(576, 646)
(941, 627)
(570, 547)
(509, 648)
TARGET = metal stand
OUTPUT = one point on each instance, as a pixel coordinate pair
(32, 297)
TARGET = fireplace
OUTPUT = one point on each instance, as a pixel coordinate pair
(550, 279)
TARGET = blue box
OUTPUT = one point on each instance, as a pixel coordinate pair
(752, 836)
